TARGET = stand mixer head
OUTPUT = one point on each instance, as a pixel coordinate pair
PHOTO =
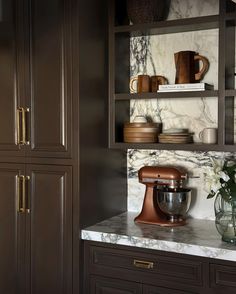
(166, 201)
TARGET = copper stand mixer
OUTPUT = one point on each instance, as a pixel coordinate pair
(166, 201)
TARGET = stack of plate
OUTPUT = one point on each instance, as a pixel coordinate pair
(176, 136)
(141, 132)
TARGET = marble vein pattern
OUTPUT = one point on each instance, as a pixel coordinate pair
(198, 237)
(154, 55)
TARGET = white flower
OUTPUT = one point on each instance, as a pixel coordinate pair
(213, 175)
(224, 176)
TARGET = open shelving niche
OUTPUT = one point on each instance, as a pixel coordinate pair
(119, 76)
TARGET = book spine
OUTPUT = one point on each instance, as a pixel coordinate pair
(183, 86)
(180, 90)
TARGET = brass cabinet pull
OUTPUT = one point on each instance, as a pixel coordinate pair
(27, 194)
(20, 197)
(20, 139)
(23, 194)
(22, 126)
(143, 264)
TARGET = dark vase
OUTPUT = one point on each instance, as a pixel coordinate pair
(144, 11)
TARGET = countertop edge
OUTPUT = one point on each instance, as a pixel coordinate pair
(162, 245)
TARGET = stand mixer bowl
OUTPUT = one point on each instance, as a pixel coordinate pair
(174, 203)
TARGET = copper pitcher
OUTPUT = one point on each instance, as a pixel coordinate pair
(187, 67)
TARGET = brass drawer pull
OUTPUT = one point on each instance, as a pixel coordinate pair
(143, 264)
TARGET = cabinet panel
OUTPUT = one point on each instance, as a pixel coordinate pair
(49, 227)
(144, 266)
(99, 285)
(9, 95)
(50, 105)
(11, 232)
(158, 290)
(223, 278)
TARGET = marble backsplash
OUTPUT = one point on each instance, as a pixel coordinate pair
(193, 162)
(154, 55)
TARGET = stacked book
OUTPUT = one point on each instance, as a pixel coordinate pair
(185, 87)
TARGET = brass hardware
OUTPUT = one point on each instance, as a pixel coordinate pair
(20, 139)
(20, 193)
(21, 126)
(24, 127)
(143, 264)
(27, 193)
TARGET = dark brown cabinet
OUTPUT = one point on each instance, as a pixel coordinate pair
(56, 172)
(12, 228)
(10, 99)
(36, 226)
(35, 75)
(49, 100)
(48, 229)
(146, 271)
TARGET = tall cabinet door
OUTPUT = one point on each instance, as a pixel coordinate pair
(10, 70)
(50, 75)
(12, 233)
(49, 227)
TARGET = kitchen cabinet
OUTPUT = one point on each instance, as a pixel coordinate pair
(56, 172)
(12, 228)
(36, 225)
(36, 100)
(119, 68)
(147, 271)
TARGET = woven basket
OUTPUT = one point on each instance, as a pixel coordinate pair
(144, 11)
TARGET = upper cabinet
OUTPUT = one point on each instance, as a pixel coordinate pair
(36, 104)
(148, 47)
(10, 100)
(49, 99)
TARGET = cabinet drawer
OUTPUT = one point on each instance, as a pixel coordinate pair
(135, 265)
(223, 277)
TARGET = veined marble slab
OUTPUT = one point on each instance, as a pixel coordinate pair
(198, 237)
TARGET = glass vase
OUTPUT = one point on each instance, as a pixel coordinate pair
(225, 218)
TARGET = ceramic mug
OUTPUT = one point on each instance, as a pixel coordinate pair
(142, 84)
(156, 81)
(208, 136)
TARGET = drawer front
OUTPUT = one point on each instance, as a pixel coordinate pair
(99, 285)
(142, 266)
(158, 290)
(223, 277)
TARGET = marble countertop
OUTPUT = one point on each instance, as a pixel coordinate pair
(198, 237)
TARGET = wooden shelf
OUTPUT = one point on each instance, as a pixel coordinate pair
(187, 94)
(171, 26)
(188, 147)
(119, 75)
(230, 93)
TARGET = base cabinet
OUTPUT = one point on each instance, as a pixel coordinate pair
(35, 226)
(100, 285)
(124, 269)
